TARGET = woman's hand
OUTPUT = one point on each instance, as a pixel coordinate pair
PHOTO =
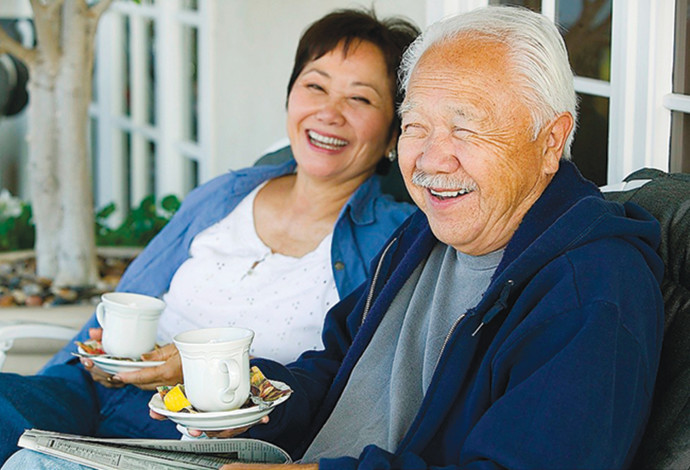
(97, 374)
(169, 373)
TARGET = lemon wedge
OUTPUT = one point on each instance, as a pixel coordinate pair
(175, 400)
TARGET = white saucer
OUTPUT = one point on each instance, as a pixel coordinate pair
(217, 420)
(113, 366)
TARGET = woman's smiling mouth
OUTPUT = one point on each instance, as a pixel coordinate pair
(325, 142)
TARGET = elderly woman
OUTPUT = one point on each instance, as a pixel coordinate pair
(269, 248)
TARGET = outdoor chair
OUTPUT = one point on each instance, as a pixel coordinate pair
(666, 442)
(12, 330)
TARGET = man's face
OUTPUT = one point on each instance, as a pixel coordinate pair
(466, 149)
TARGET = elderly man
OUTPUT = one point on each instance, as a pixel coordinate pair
(516, 321)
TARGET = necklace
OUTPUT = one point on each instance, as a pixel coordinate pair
(250, 271)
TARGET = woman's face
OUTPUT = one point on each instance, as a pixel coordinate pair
(339, 114)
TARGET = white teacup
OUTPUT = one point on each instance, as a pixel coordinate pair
(215, 366)
(129, 322)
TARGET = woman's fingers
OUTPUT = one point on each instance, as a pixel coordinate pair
(161, 354)
(99, 376)
(148, 378)
(96, 333)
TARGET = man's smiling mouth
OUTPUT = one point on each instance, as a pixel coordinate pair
(443, 186)
(446, 194)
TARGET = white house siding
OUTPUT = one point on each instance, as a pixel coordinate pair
(255, 42)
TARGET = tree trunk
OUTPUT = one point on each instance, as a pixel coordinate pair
(43, 179)
(60, 177)
(60, 71)
(77, 251)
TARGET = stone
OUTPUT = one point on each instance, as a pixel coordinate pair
(7, 300)
(19, 284)
(68, 295)
(19, 296)
(32, 289)
(33, 301)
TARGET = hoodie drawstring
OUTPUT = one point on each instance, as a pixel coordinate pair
(500, 305)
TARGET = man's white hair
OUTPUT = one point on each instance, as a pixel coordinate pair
(535, 49)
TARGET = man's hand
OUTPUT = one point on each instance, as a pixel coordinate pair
(169, 373)
(267, 466)
(226, 433)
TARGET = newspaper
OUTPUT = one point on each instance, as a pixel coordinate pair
(151, 454)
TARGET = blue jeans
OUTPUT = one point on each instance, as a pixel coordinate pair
(65, 399)
(28, 459)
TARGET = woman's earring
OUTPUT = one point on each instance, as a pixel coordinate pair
(392, 155)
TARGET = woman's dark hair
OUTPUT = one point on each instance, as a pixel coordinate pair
(347, 26)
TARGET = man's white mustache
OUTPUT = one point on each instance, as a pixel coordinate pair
(425, 180)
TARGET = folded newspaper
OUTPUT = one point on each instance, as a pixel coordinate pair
(151, 454)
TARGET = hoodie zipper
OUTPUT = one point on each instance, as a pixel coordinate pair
(370, 296)
(445, 341)
(500, 305)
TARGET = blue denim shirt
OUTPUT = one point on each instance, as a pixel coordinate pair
(364, 224)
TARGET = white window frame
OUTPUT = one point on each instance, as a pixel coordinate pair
(172, 152)
(640, 90)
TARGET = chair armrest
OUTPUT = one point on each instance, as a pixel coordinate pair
(11, 330)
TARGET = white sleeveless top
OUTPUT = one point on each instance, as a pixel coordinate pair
(233, 279)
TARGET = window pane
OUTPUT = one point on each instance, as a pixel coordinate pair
(534, 5)
(680, 122)
(93, 151)
(151, 162)
(151, 94)
(127, 162)
(191, 174)
(190, 83)
(680, 142)
(681, 60)
(590, 147)
(126, 97)
(586, 26)
(190, 4)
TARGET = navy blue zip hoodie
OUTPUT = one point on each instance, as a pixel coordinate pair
(554, 368)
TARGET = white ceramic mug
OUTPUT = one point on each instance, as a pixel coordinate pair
(129, 322)
(215, 366)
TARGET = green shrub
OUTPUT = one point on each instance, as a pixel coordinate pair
(16, 227)
(139, 226)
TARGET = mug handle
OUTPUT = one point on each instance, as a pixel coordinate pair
(100, 314)
(233, 372)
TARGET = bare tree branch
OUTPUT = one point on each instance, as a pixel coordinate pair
(54, 6)
(97, 9)
(37, 7)
(47, 25)
(11, 46)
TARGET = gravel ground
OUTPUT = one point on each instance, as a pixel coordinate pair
(19, 285)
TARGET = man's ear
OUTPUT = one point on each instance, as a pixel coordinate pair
(556, 135)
